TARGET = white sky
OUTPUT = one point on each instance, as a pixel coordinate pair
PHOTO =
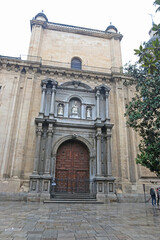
(130, 17)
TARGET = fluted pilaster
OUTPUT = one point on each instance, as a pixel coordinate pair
(43, 99)
(48, 149)
(39, 132)
(51, 113)
(99, 157)
(107, 104)
(109, 158)
(97, 103)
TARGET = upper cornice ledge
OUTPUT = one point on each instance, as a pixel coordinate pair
(76, 29)
(30, 67)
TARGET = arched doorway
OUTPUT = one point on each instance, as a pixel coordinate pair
(72, 167)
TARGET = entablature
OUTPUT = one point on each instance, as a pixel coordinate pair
(75, 29)
(17, 65)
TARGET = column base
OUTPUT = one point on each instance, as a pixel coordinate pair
(51, 116)
(33, 197)
(41, 115)
(44, 196)
(106, 198)
(37, 197)
(107, 120)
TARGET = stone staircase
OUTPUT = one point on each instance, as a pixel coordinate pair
(83, 198)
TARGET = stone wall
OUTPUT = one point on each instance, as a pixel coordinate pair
(57, 44)
(20, 98)
(51, 50)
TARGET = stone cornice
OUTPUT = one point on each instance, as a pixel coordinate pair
(72, 125)
(75, 29)
(122, 77)
(36, 68)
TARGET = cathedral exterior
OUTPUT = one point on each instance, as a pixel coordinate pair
(62, 127)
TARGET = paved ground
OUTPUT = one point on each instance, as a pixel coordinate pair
(116, 221)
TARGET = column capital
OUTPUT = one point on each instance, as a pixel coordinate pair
(49, 81)
(53, 89)
(43, 87)
(98, 136)
(107, 94)
(99, 133)
(108, 132)
(39, 130)
(50, 132)
(97, 93)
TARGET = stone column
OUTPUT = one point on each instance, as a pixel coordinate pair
(99, 157)
(38, 145)
(83, 113)
(43, 99)
(51, 113)
(48, 150)
(107, 104)
(98, 102)
(108, 147)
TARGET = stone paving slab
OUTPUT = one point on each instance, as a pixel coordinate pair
(114, 221)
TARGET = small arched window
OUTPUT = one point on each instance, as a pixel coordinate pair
(76, 63)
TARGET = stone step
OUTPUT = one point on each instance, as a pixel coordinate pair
(73, 196)
(81, 201)
(73, 199)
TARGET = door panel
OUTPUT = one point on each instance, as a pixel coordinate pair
(62, 184)
(72, 167)
(82, 181)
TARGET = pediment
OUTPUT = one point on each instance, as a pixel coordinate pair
(49, 81)
(75, 85)
(103, 87)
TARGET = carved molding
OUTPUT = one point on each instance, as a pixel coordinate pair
(75, 29)
(37, 68)
(49, 80)
(39, 130)
(50, 130)
(79, 138)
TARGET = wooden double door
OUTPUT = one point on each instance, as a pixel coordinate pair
(72, 168)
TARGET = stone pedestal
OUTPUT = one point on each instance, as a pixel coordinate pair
(45, 191)
(34, 194)
(105, 189)
(39, 187)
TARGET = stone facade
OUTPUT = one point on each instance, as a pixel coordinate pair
(45, 102)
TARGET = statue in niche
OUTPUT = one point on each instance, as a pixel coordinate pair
(60, 110)
(74, 110)
(88, 112)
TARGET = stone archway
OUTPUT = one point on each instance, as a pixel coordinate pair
(72, 167)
